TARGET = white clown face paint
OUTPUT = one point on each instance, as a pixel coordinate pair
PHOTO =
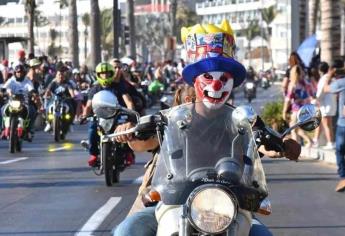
(213, 88)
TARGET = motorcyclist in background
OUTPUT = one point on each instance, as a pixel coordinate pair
(60, 82)
(20, 84)
(125, 76)
(106, 80)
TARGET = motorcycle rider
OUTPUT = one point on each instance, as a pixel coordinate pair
(60, 82)
(213, 74)
(106, 77)
(20, 84)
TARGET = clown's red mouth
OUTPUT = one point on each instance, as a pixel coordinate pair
(215, 97)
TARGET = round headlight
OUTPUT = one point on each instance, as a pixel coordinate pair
(15, 104)
(211, 210)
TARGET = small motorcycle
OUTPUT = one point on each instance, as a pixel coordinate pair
(250, 90)
(209, 178)
(15, 121)
(265, 83)
(114, 156)
(59, 115)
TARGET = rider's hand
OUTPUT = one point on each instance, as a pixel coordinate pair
(126, 137)
(292, 149)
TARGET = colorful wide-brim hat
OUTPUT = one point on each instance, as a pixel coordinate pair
(210, 48)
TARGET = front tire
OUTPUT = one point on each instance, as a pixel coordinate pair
(110, 173)
(56, 129)
(13, 134)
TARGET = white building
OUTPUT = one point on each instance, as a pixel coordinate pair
(240, 13)
(16, 25)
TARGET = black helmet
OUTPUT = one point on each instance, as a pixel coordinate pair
(19, 72)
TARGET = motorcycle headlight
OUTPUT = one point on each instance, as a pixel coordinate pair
(249, 85)
(106, 124)
(15, 104)
(211, 209)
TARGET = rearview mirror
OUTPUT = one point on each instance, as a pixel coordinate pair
(244, 117)
(309, 117)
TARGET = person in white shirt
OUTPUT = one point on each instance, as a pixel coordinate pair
(328, 107)
(19, 84)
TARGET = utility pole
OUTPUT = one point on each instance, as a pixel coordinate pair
(131, 23)
(116, 29)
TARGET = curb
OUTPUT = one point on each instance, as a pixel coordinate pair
(327, 156)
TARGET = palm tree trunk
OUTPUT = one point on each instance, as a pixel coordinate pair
(302, 20)
(73, 25)
(95, 34)
(31, 18)
(330, 27)
(131, 23)
(85, 44)
(313, 6)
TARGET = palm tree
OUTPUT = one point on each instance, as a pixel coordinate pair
(73, 25)
(62, 5)
(107, 30)
(53, 51)
(252, 30)
(313, 9)
(30, 6)
(95, 34)
(268, 15)
(86, 21)
(330, 27)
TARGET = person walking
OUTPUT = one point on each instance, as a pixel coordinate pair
(298, 94)
(327, 103)
(338, 87)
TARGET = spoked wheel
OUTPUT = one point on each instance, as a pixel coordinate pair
(13, 135)
(110, 173)
(56, 129)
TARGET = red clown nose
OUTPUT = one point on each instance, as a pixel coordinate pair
(216, 85)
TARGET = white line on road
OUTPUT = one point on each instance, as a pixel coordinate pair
(98, 217)
(13, 160)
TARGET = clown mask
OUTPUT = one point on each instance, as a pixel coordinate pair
(213, 88)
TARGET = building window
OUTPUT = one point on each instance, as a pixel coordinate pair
(10, 20)
(19, 20)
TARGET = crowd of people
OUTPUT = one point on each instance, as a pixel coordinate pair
(40, 78)
(323, 85)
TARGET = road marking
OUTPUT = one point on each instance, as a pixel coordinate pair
(98, 217)
(138, 180)
(64, 147)
(13, 160)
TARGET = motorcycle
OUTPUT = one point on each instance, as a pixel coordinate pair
(114, 156)
(265, 83)
(250, 90)
(15, 121)
(59, 115)
(209, 178)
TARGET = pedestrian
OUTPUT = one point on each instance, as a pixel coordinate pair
(297, 95)
(327, 103)
(338, 87)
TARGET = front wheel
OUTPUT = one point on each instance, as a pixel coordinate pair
(13, 135)
(56, 129)
(111, 174)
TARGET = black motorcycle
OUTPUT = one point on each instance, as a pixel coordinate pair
(114, 156)
(250, 90)
(15, 120)
(59, 115)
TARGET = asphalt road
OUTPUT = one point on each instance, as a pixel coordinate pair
(48, 189)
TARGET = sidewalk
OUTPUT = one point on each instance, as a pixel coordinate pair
(327, 156)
